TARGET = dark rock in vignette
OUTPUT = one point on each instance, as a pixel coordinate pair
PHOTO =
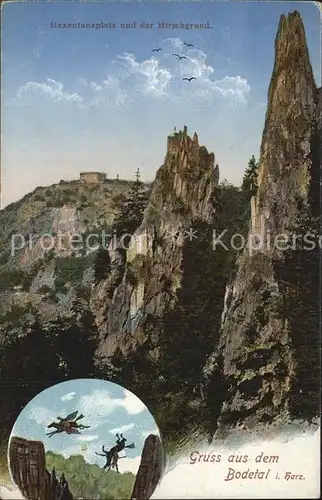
(150, 470)
(28, 469)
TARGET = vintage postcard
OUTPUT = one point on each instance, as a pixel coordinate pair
(160, 250)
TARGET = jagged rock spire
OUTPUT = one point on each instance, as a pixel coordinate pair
(291, 103)
(182, 197)
(259, 358)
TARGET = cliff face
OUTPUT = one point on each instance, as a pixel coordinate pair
(269, 336)
(285, 156)
(147, 307)
(47, 243)
(147, 280)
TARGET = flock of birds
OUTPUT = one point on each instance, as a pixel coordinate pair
(180, 57)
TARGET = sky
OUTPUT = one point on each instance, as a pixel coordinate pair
(108, 409)
(99, 99)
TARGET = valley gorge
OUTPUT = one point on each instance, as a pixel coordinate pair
(211, 340)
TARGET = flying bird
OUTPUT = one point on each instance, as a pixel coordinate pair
(156, 50)
(188, 44)
(180, 57)
(189, 79)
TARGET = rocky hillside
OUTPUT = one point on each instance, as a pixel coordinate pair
(67, 207)
(47, 242)
(267, 352)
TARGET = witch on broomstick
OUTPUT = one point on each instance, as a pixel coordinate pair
(68, 424)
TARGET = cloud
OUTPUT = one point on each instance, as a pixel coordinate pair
(108, 93)
(174, 43)
(87, 439)
(69, 396)
(131, 403)
(206, 87)
(162, 76)
(51, 90)
(233, 86)
(149, 76)
(121, 429)
(99, 404)
(129, 465)
(159, 77)
(41, 415)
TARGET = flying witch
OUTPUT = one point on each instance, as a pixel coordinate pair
(112, 455)
(68, 424)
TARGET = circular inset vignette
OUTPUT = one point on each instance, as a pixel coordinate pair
(86, 438)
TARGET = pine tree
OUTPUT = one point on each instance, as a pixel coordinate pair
(132, 207)
(249, 185)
